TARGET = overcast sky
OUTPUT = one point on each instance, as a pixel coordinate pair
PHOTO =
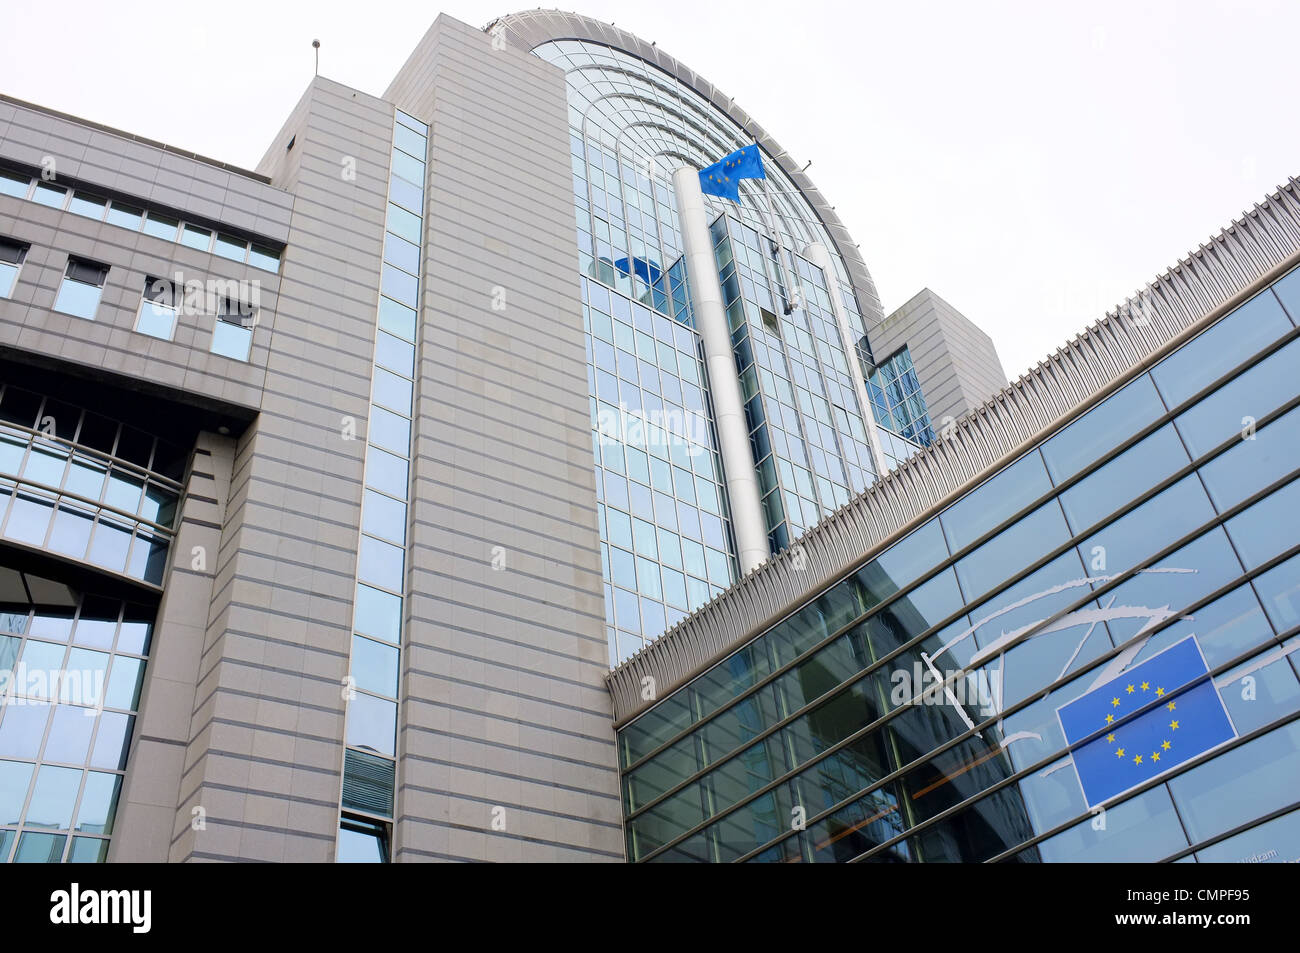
(1033, 163)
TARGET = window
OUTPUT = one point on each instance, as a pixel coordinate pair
(12, 256)
(195, 237)
(91, 206)
(362, 842)
(232, 336)
(161, 226)
(82, 286)
(157, 316)
(236, 249)
(125, 216)
(11, 183)
(52, 195)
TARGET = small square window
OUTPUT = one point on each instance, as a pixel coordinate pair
(157, 316)
(52, 195)
(194, 237)
(14, 184)
(161, 226)
(91, 206)
(227, 246)
(268, 259)
(126, 216)
(232, 336)
(81, 288)
(12, 256)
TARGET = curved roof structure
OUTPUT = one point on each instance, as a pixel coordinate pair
(546, 31)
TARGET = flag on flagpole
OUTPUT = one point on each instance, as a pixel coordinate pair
(723, 177)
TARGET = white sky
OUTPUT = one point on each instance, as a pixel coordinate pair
(1034, 163)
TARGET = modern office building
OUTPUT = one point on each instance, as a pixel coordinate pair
(331, 491)
(1066, 632)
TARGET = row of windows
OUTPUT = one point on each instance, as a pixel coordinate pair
(369, 767)
(153, 222)
(665, 540)
(71, 687)
(1258, 535)
(82, 287)
(896, 396)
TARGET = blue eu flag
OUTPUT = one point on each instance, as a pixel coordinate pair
(1145, 722)
(723, 178)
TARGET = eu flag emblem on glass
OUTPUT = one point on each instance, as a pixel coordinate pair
(1144, 722)
(723, 178)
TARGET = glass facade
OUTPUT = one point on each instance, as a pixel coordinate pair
(71, 668)
(370, 753)
(805, 424)
(85, 486)
(896, 398)
(910, 711)
(666, 540)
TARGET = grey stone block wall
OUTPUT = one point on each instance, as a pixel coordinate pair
(265, 752)
(504, 705)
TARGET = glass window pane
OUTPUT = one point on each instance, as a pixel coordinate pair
(400, 286)
(408, 168)
(1253, 464)
(91, 206)
(15, 778)
(1142, 829)
(374, 666)
(397, 318)
(384, 517)
(1012, 549)
(98, 803)
(1133, 472)
(1268, 528)
(1112, 421)
(408, 141)
(392, 391)
(22, 727)
(14, 184)
(231, 340)
(386, 472)
(54, 797)
(1239, 785)
(88, 850)
(77, 299)
(402, 253)
(124, 683)
(995, 500)
(380, 563)
(227, 246)
(378, 613)
(161, 226)
(1210, 355)
(1273, 842)
(372, 723)
(395, 354)
(268, 259)
(390, 431)
(1166, 517)
(52, 195)
(404, 223)
(29, 518)
(112, 741)
(1229, 410)
(36, 848)
(126, 216)
(406, 194)
(195, 237)
(70, 731)
(109, 545)
(156, 320)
